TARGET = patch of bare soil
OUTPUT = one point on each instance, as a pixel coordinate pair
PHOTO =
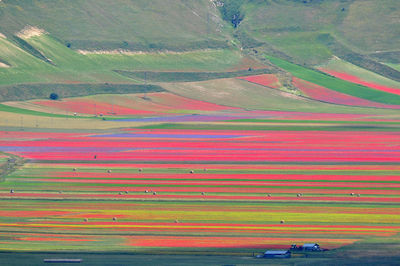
(3, 65)
(129, 52)
(29, 32)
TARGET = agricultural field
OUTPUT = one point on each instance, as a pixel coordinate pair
(199, 132)
(185, 176)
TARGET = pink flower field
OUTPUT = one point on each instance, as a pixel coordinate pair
(357, 80)
(232, 186)
(320, 93)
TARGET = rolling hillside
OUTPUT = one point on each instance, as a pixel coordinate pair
(102, 42)
(300, 28)
(120, 24)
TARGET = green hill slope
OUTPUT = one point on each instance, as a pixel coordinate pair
(125, 24)
(70, 67)
(297, 28)
(94, 41)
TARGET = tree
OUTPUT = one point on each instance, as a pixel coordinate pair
(231, 12)
(53, 96)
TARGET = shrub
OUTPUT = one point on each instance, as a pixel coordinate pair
(231, 11)
(54, 96)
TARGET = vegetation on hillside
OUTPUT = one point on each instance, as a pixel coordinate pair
(336, 84)
(189, 76)
(22, 92)
(231, 11)
(120, 24)
(73, 49)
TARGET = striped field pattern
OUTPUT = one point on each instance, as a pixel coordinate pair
(189, 189)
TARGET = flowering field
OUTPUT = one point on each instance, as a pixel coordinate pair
(268, 80)
(150, 104)
(159, 189)
(326, 95)
(360, 81)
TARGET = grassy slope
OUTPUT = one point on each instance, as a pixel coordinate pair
(395, 66)
(371, 25)
(20, 62)
(208, 60)
(190, 76)
(292, 27)
(239, 93)
(346, 67)
(35, 91)
(336, 84)
(72, 67)
(298, 29)
(127, 24)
